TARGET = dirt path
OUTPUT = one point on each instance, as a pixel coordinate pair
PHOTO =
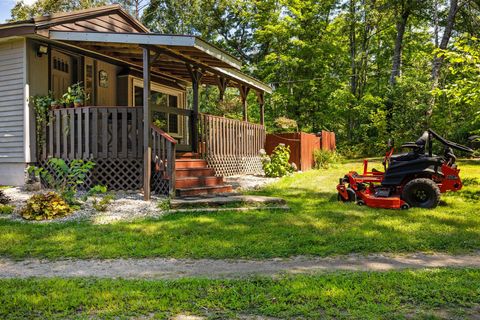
(159, 268)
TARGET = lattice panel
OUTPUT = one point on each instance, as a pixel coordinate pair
(234, 165)
(160, 185)
(118, 174)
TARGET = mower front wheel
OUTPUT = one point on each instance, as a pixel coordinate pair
(352, 196)
(421, 193)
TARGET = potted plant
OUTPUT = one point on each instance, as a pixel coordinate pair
(75, 95)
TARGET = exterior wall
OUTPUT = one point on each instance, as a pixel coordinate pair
(14, 126)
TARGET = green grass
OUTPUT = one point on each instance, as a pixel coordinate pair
(316, 225)
(444, 293)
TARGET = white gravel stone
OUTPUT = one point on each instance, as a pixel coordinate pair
(126, 206)
(249, 182)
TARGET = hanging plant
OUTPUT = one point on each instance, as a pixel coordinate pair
(42, 104)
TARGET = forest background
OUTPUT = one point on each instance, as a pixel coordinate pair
(368, 70)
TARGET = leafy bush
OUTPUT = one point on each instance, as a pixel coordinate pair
(6, 209)
(45, 206)
(284, 124)
(68, 177)
(4, 199)
(276, 165)
(324, 159)
(102, 204)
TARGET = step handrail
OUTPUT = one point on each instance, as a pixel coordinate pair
(163, 133)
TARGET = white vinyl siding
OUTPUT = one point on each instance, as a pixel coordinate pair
(12, 101)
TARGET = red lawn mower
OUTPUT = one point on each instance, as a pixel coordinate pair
(412, 179)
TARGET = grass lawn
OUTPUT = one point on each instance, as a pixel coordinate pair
(445, 293)
(316, 225)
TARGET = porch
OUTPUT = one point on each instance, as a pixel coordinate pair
(130, 149)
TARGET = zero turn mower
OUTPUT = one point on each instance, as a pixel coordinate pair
(412, 179)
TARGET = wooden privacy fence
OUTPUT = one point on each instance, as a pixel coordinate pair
(112, 137)
(230, 146)
(302, 145)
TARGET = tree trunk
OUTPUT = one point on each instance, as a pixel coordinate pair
(353, 63)
(397, 52)
(397, 59)
(438, 60)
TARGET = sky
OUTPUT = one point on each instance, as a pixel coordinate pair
(6, 6)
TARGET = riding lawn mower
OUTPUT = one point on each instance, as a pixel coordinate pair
(412, 179)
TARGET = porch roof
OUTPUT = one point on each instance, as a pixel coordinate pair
(172, 54)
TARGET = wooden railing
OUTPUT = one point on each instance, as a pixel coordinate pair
(163, 160)
(220, 136)
(94, 133)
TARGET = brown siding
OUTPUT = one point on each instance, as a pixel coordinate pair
(106, 96)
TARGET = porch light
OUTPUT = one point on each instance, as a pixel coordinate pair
(42, 50)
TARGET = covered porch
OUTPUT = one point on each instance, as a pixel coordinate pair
(132, 152)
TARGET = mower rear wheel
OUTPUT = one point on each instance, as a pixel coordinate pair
(421, 193)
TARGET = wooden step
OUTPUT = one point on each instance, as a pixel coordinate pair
(194, 172)
(185, 192)
(188, 155)
(193, 182)
(190, 163)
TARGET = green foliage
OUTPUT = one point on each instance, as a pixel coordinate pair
(66, 178)
(164, 204)
(97, 189)
(325, 159)
(4, 199)
(6, 209)
(276, 165)
(284, 124)
(104, 202)
(45, 206)
(42, 105)
(75, 94)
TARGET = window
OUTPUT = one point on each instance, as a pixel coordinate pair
(161, 103)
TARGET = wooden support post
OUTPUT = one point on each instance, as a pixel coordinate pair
(147, 150)
(243, 94)
(196, 76)
(222, 86)
(261, 102)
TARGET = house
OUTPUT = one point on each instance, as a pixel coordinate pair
(136, 122)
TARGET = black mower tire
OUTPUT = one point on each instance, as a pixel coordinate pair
(421, 193)
(352, 196)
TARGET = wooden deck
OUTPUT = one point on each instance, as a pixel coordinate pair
(113, 138)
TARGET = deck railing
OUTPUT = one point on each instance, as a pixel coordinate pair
(94, 133)
(163, 161)
(230, 146)
(113, 138)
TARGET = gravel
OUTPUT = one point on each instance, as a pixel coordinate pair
(249, 182)
(126, 206)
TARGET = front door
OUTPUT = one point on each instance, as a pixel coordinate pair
(62, 73)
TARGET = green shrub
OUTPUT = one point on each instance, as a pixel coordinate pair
(4, 199)
(45, 206)
(164, 204)
(68, 177)
(6, 209)
(276, 165)
(324, 159)
(102, 204)
(285, 125)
